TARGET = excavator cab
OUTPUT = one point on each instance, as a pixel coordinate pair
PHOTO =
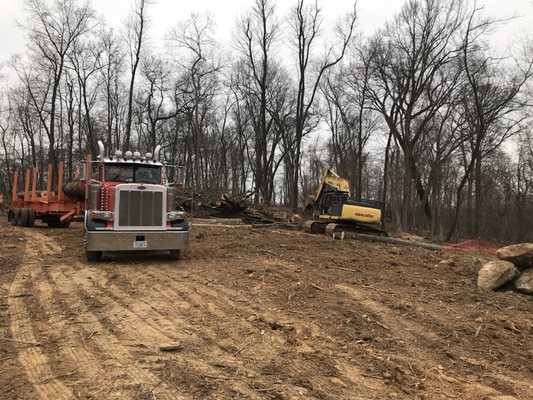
(332, 203)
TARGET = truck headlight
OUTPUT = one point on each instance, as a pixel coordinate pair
(176, 215)
(105, 215)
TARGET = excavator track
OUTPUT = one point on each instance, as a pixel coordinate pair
(335, 230)
(338, 230)
(315, 226)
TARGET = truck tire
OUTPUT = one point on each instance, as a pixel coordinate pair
(16, 216)
(11, 217)
(175, 255)
(93, 255)
(31, 217)
(64, 224)
(24, 217)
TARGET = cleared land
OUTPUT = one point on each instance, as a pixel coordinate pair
(255, 313)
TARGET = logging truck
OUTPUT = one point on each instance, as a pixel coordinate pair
(126, 202)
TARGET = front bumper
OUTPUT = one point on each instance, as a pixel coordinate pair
(124, 241)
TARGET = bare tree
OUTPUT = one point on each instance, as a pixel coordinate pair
(111, 68)
(306, 23)
(85, 59)
(51, 33)
(5, 121)
(196, 90)
(158, 95)
(410, 83)
(257, 35)
(350, 119)
(490, 105)
(135, 36)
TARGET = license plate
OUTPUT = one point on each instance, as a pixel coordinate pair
(140, 244)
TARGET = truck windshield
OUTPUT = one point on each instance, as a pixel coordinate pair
(132, 173)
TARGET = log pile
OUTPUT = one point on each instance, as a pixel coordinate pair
(225, 206)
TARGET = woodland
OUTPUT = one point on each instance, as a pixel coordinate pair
(425, 115)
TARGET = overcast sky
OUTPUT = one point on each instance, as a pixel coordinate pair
(164, 13)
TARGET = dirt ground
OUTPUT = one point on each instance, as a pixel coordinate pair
(258, 313)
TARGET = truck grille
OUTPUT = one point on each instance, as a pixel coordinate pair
(140, 208)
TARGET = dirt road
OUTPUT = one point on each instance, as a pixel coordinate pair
(257, 314)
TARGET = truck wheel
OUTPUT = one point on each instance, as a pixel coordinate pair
(93, 255)
(11, 217)
(64, 224)
(16, 216)
(175, 254)
(24, 217)
(31, 217)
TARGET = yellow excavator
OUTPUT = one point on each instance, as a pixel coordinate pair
(333, 210)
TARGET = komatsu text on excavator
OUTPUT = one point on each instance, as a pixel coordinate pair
(333, 211)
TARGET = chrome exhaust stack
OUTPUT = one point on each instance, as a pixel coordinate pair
(101, 150)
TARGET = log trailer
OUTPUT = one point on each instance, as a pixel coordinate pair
(127, 204)
(333, 211)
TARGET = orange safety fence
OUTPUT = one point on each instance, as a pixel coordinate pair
(474, 245)
(467, 245)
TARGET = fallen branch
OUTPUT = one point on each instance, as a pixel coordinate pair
(266, 389)
(242, 348)
(272, 253)
(390, 240)
(20, 341)
(19, 295)
(216, 225)
(344, 269)
(59, 376)
(317, 287)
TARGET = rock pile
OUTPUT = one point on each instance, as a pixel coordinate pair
(515, 265)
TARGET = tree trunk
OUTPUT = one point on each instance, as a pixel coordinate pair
(385, 179)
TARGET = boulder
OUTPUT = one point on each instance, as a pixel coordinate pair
(521, 255)
(495, 274)
(524, 283)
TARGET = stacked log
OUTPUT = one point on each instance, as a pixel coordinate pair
(75, 188)
(225, 206)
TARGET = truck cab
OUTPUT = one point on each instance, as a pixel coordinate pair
(130, 205)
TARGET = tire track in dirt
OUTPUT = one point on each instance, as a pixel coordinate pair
(396, 325)
(266, 347)
(142, 325)
(217, 294)
(71, 350)
(192, 301)
(128, 375)
(121, 365)
(406, 333)
(303, 327)
(33, 359)
(196, 294)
